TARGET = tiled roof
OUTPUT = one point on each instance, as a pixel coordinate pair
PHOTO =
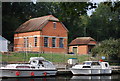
(35, 23)
(81, 41)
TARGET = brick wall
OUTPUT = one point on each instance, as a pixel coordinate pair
(19, 41)
(82, 49)
(58, 32)
(47, 31)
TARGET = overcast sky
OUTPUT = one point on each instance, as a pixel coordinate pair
(89, 12)
(98, 1)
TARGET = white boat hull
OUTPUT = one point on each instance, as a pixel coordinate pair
(90, 71)
(27, 73)
(37, 66)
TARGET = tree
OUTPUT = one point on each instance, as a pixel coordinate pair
(109, 48)
(16, 13)
(104, 22)
(99, 23)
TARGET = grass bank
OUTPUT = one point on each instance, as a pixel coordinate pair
(56, 58)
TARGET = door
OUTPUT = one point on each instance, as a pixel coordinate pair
(75, 50)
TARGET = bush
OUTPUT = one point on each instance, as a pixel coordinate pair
(109, 48)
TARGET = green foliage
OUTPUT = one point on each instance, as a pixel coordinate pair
(16, 13)
(102, 24)
(109, 48)
(71, 13)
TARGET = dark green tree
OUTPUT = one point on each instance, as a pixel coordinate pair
(16, 13)
(109, 48)
(103, 23)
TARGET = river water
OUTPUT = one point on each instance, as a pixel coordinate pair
(113, 77)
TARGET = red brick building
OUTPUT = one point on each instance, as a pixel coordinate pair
(82, 45)
(43, 34)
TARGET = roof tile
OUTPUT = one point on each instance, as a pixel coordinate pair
(81, 40)
(35, 23)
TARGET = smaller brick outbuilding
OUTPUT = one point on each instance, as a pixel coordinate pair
(82, 45)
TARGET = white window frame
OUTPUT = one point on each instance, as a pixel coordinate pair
(26, 42)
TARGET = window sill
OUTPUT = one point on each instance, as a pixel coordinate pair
(61, 47)
(46, 47)
(53, 47)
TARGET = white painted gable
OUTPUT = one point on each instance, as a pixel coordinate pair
(3, 44)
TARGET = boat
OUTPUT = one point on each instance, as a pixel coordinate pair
(37, 66)
(91, 68)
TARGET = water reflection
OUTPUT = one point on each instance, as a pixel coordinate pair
(29, 79)
(68, 78)
(91, 77)
(55, 78)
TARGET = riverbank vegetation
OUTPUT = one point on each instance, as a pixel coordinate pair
(110, 49)
(56, 58)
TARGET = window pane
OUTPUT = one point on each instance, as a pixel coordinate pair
(27, 42)
(61, 43)
(24, 42)
(45, 41)
(53, 42)
(54, 25)
(95, 63)
(35, 41)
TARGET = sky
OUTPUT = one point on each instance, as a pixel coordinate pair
(89, 12)
(98, 1)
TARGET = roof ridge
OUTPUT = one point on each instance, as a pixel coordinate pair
(42, 17)
(81, 40)
(30, 25)
(48, 17)
(82, 37)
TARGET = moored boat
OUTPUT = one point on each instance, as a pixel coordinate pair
(91, 68)
(37, 66)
